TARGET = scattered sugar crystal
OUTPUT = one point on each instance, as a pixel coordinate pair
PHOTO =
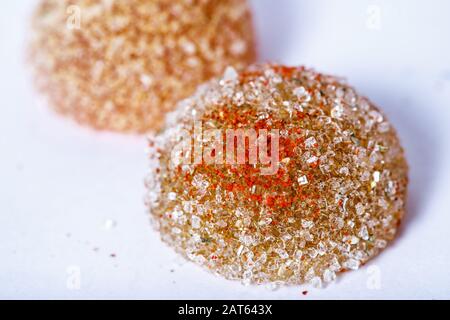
(310, 142)
(354, 240)
(374, 157)
(364, 104)
(200, 259)
(146, 80)
(239, 251)
(187, 206)
(322, 249)
(196, 238)
(176, 213)
(335, 265)
(380, 243)
(316, 282)
(329, 275)
(383, 203)
(307, 235)
(171, 196)
(376, 116)
(313, 253)
(359, 209)
(188, 47)
(344, 171)
(230, 74)
(238, 47)
(337, 111)
(350, 97)
(364, 233)
(365, 176)
(310, 274)
(390, 189)
(300, 92)
(376, 176)
(340, 93)
(339, 222)
(302, 180)
(383, 127)
(344, 205)
(282, 253)
(298, 107)
(352, 264)
(221, 224)
(195, 222)
(312, 160)
(307, 224)
(201, 184)
(247, 274)
(286, 237)
(247, 240)
(276, 79)
(359, 255)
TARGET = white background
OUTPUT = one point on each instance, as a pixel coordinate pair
(61, 183)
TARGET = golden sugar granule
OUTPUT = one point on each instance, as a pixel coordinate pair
(121, 65)
(335, 195)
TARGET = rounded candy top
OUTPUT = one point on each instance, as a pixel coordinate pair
(121, 65)
(277, 174)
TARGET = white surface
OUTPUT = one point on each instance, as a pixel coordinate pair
(60, 183)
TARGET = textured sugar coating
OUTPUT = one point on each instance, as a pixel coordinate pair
(336, 201)
(121, 65)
